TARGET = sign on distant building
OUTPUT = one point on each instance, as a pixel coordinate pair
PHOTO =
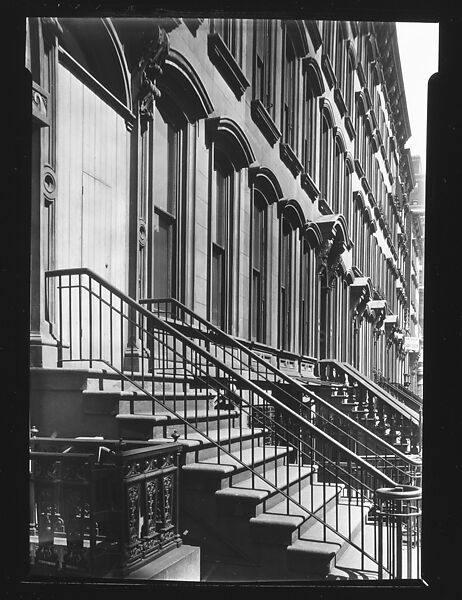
(411, 344)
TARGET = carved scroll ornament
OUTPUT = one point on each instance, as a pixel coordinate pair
(150, 68)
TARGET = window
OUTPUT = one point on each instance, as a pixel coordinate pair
(222, 208)
(347, 194)
(340, 58)
(337, 192)
(285, 287)
(290, 94)
(309, 127)
(264, 66)
(259, 267)
(306, 299)
(325, 153)
(328, 33)
(231, 33)
(348, 88)
(168, 184)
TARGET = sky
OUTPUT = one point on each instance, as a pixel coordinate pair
(418, 47)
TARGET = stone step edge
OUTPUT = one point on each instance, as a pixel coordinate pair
(224, 470)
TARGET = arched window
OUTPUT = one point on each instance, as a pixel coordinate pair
(347, 201)
(230, 152)
(338, 179)
(308, 333)
(312, 88)
(259, 266)
(325, 154)
(169, 161)
(168, 152)
(265, 190)
(222, 209)
(285, 284)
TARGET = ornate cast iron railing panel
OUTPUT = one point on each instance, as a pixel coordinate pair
(101, 508)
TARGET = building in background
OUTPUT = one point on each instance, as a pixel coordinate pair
(415, 274)
(254, 171)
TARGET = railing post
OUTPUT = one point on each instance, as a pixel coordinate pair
(399, 522)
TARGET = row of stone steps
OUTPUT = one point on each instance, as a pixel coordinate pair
(226, 506)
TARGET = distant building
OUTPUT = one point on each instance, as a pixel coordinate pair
(415, 273)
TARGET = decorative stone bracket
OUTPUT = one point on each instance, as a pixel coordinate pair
(149, 69)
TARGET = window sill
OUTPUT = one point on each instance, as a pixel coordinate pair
(328, 71)
(226, 64)
(310, 187)
(264, 121)
(290, 159)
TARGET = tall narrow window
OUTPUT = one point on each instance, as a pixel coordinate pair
(285, 287)
(309, 128)
(264, 88)
(348, 89)
(337, 191)
(221, 234)
(325, 157)
(305, 299)
(290, 94)
(168, 165)
(231, 32)
(259, 266)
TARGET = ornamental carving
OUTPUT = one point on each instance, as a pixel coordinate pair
(323, 253)
(150, 68)
(133, 494)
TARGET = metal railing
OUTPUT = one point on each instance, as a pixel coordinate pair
(352, 434)
(400, 392)
(101, 508)
(391, 417)
(399, 518)
(95, 322)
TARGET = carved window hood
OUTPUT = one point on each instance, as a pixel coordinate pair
(367, 96)
(378, 310)
(289, 158)
(365, 184)
(328, 71)
(314, 33)
(310, 187)
(359, 169)
(226, 64)
(350, 127)
(264, 121)
(361, 76)
(340, 101)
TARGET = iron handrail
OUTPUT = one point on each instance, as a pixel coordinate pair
(311, 514)
(161, 324)
(401, 392)
(363, 468)
(289, 380)
(407, 412)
